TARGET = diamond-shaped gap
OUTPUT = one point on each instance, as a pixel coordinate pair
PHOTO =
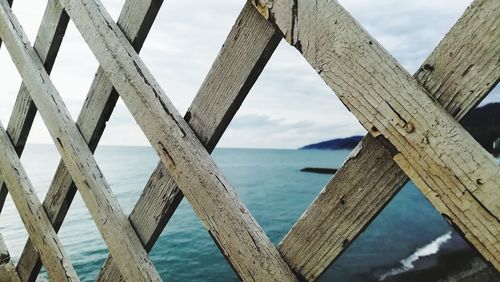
(180, 49)
(125, 157)
(278, 170)
(180, 54)
(74, 70)
(288, 108)
(10, 80)
(29, 14)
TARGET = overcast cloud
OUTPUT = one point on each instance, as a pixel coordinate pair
(289, 105)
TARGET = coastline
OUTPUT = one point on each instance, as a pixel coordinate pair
(455, 261)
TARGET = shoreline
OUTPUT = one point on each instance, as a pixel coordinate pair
(455, 261)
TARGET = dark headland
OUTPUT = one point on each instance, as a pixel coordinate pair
(335, 144)
(482, 123)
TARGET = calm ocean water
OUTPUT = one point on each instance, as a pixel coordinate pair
(272, 187)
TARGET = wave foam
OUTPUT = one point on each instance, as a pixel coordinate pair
(427, 250)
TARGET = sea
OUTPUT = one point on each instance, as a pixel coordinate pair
(276, 192)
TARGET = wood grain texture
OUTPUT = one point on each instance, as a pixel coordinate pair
(240, 238)
(97, 109)
(351, 200)
(118, 234)
(459, 177)
(9, 2)
(8, 271)
(343, 209)
(30, 209)
(244, 54)
(47, 44)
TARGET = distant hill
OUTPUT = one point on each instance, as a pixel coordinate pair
(482, 123)
(335, 144)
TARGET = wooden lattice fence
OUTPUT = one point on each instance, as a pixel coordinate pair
(412, 124)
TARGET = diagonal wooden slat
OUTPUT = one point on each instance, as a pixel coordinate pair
(135, 21)
(458, 176)
(351, 200)
(240, 238)
(9, 2)
(32, 213)
(8, 271)
(455, 106)
(244, 54)
(46, 45)
(461, 30)
(118, 234)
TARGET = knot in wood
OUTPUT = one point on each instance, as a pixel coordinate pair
(409, 127)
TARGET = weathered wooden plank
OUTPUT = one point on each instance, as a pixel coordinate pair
(343, 209)
(7, 270)
(351, 200)
(31, 211)
(8, 273)
(118, 234)
(10, 5)
(46, 45)
(241, 239)
(459, 177)
(135, 21)
(244, 54)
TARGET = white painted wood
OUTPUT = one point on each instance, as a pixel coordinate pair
(458, 176)
(9, 2)
(46, 45)
(31, 211)
(135, 20)
(435, 77)
(118, 234)
(237, 233)
(244, 54)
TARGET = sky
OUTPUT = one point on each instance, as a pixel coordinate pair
(289, 105)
